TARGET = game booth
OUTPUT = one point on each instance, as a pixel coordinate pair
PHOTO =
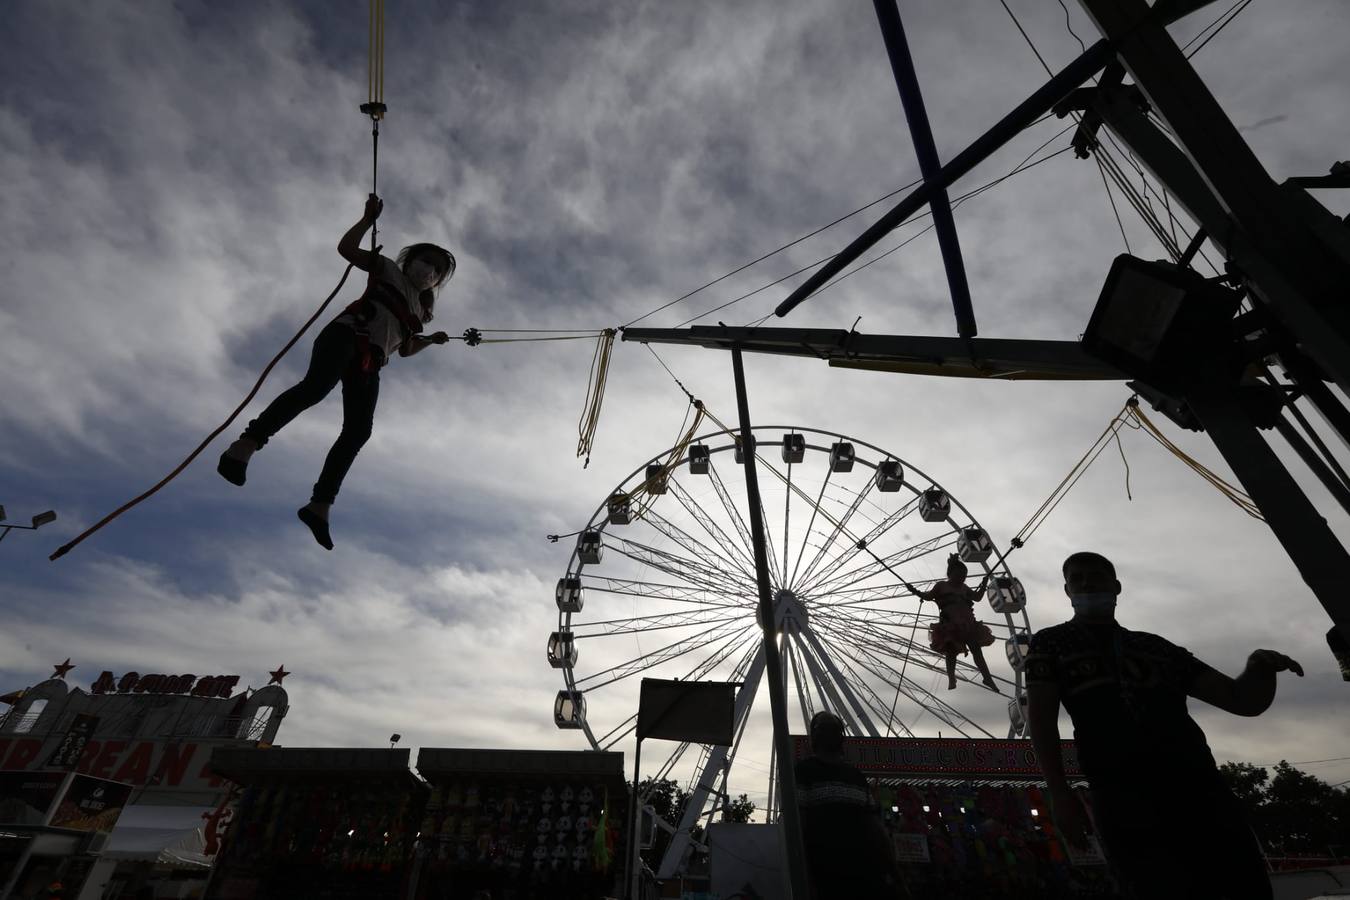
(969, 818)
(351, 823)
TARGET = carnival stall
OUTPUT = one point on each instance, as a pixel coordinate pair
(521, 823)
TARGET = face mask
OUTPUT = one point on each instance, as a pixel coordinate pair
(1093, 604)
(422, 274)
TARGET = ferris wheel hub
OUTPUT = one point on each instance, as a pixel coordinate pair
(788, 606)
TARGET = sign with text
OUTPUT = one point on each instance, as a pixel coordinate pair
(1090, 856)
(91, 804)
(967, 758)
(68, 752)
(25, 797)
(911, 848)
(169, 764)
(136, 683)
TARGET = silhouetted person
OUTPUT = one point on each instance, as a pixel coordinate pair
(1168, 823)
(956, 629)
(399, 299)
(848, 852)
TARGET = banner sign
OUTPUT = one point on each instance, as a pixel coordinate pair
(91, 804)
(941, 758)
(68, 752)
(911, 848)
(136, 683)
(25, 797)
(163, 763)
(1090, 856)
(701, 712)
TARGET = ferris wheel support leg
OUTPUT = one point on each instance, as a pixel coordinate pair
(839, 680)
(712, 769)
(826, 688)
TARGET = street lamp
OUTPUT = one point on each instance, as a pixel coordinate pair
(42, 518)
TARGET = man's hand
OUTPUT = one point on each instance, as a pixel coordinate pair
(441, 337)
(374, 206)
(1069, 817)
(1274, 661)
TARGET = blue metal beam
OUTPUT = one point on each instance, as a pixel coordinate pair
(930, 165)
(1026, 112)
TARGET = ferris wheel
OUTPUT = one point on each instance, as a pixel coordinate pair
(661, 583)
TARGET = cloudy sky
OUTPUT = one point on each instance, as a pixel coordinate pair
(177, 176)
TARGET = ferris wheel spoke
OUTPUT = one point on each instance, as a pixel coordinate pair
(655, 622)
(664, 654)
(736, 519)
(862, 687)
(810, 524)
(681, 567)
(803, 688)
(698, 671)
(860, 597)
(703, 569)
(841, 688)
(872, 536)
(882, 566)
(676, 593)
(840, 527)
(692, 544)
(933, 704)
(884, 645)
(881, 643)
(714, 531)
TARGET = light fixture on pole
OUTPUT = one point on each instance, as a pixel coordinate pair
(42, 518)
(394, 739)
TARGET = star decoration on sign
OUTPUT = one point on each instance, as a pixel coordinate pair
(279, 674)
(60, 670)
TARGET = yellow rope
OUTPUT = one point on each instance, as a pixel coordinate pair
(1130, 416)
(643, 496)
(1239, 497)
(595, 391)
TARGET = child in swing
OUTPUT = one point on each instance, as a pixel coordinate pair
(956, 629)
(399, 298)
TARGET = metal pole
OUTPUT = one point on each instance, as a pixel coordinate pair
(930, 165)
(1299, 527)
(787, 785)
(1334, 485)
(634, 867)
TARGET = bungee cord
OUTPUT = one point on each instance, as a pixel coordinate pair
(375, 108)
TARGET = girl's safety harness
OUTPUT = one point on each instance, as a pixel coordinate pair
(370, 357)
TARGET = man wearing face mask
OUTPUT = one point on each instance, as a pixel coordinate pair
(1168, 823)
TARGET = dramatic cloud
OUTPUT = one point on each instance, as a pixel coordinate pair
(177, 177)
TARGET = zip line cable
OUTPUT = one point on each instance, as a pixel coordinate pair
(1130, 416)
(1018, 169)
(374, 108)
(786, 246)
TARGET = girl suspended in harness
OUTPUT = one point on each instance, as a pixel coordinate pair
(956, 629)
(398, 302)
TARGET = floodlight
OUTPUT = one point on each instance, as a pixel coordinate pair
(2, 513)
(1160, 323)
(44, 518)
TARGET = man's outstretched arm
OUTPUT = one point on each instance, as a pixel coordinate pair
(1252, 692)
